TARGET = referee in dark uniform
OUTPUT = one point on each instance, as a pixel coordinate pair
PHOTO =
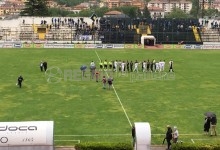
(20, 80)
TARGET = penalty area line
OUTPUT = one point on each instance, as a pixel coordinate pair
(116, 95)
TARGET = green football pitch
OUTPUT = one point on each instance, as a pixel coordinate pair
(83, 111)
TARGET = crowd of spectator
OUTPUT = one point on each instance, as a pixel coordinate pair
(214, 24)
(119, 27)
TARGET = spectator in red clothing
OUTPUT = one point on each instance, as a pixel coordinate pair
(97, 76)
(104, 82)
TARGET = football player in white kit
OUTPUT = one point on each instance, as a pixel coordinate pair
(136, 66)
(157, 68)
(123, 66)
(144, 66)
(115, 65)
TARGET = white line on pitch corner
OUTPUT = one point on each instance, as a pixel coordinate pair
(117, 95)
(192, 141)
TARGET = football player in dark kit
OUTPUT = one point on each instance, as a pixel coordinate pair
(131, 66)
(171, 66)
(45, 66)
(148, 65)
(152, 66)
(20, 80)
(128, 64)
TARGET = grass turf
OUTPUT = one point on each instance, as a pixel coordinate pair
(83, 111)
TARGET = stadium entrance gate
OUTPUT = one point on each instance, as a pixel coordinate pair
(148, 40)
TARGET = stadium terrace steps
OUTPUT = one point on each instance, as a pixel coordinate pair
(210, 35)
(26, 28)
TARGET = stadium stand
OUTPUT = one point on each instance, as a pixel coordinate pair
(210, 29)
(173, 31)
(109, 30)
(48, 29)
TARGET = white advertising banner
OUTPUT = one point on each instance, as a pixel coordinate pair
(189, 46)
(8, 45)
(209, 46)
(85, 37)
(90, 45)
(26, 133)
(119, 45)
(211, 43)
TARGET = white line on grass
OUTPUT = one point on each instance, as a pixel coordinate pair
(78, 141)
(193, 140)
(91, 135)
(116, 95)
(181, 134)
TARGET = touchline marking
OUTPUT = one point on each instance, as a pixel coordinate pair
(78, 141)
(122, 135)
(98, 135)
(116, 95)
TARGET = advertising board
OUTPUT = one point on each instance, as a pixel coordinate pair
(26, 133)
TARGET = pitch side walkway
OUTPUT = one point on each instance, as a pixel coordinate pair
(153, 147)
